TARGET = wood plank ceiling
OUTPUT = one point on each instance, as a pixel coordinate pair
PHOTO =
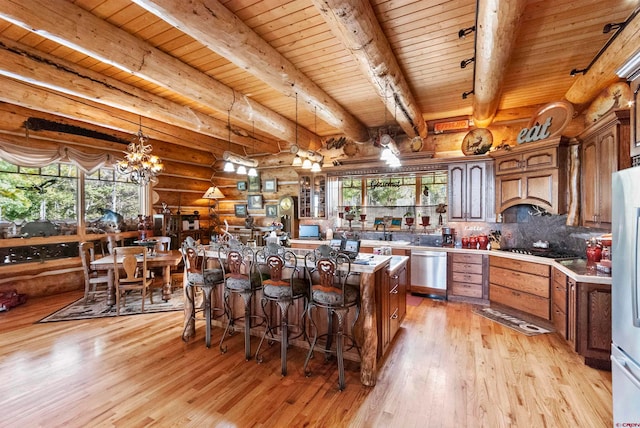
(335, 67)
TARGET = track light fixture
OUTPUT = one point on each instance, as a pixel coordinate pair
(466, 94)
(466, 31)
(576, 71)
(613, 26)
(466, 62)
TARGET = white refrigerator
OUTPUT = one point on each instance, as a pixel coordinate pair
(625, 295)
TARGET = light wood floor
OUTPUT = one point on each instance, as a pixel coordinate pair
(448, 368)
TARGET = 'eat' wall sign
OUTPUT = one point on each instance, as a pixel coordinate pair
(535, 133)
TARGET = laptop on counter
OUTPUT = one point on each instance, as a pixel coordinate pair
(309, 231)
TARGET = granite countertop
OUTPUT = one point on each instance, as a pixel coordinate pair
(574, 269)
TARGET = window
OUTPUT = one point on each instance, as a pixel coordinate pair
(379, 196)
(107, 190)
(49, 195)
(32, 194)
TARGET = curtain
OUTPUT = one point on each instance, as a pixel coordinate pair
(34, 157)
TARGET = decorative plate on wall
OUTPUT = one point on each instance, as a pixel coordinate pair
(560, 112)
(350, 149)
(477, 141)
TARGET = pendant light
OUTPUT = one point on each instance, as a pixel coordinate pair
(228, 166)
(252, 171)
(315, 167)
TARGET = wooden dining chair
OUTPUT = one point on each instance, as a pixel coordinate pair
(128, 275)
(92, 278)
(164, 243)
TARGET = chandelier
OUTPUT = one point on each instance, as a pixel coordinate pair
(141, 166)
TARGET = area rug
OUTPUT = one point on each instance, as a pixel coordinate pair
(517, 324)
(99, 308)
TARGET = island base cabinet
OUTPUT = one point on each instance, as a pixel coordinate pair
(392, 306)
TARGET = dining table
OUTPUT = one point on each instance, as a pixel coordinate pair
(159, 259)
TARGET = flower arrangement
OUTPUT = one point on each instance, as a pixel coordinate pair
(348, 209)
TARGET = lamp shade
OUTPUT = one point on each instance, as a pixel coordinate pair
(213, 192)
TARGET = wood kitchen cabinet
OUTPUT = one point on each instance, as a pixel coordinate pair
(533, 173)
(312, 200)
(471, 193)
(559, 302)
(468, 277)
(582, 315)
(520, 285)
(593, 327)
(392, 309)
(604, 150)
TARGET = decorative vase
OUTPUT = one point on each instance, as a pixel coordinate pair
(473, 242)
(363, 217)
(594, 254)
(425, 220)
(349, 216)
(409, 221)
(483, 241)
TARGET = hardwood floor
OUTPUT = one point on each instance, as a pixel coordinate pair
(447, 368)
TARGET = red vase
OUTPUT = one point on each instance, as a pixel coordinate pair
(465, 242)
(594, 254)
(483, 240)
(473, 242)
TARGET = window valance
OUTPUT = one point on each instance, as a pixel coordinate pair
(37, 158)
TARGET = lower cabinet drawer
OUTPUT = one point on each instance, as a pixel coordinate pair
(559, 319)
(529, 303)
(466, 289)
(559, 295)
(467, 277)
(466, 267)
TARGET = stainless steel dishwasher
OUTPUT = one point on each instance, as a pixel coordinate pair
(429, 272)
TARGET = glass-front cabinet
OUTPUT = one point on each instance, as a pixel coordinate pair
(313, 196)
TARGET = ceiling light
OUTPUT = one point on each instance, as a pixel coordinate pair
(306, 164)
(252, 172)
(228, 167)
(466, 62)
(630, 67)
(466, 31)
(297, 161)
(315, 167)
(613, 26)
(141, 166)
(242, 170)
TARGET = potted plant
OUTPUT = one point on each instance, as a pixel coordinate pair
(350, 212)
(409, 218)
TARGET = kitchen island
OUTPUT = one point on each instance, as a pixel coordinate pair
(372, 273)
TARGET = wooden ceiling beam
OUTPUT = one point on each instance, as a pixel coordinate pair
(67, 106)
(77, 29)
(603, 72)
(213, 25)
(496, 34)
(31, 66)
(355, 24)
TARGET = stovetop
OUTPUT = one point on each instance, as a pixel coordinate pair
(550, 253)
